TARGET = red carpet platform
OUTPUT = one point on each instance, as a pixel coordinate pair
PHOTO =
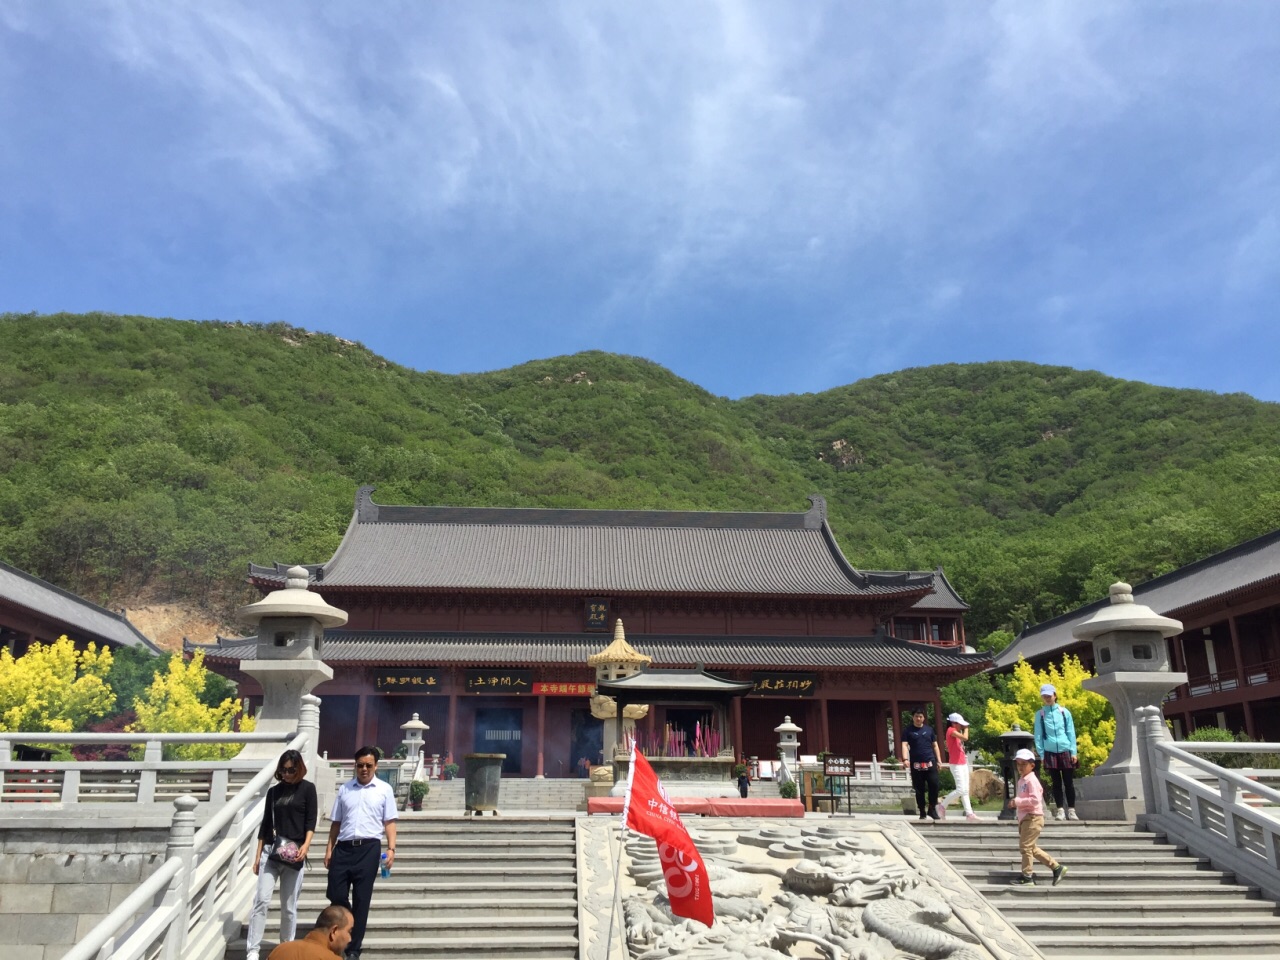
(713, 806)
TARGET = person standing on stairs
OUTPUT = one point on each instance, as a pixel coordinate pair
(288, 824)
(364, 807)
(922, 756)
(1029, 801)
(957, 737)
(1055, 734)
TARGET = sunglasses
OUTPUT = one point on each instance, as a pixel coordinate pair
(288, 769)
(365, 766)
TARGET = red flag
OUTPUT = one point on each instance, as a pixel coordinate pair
(648, 810)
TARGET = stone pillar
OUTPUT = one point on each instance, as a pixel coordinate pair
(286, 663)
(1132, 659)
(182, 834)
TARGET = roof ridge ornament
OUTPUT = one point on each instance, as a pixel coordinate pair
(816, 515)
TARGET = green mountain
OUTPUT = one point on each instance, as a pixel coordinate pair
(160, 456)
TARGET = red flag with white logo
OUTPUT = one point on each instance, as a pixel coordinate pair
(647, 809)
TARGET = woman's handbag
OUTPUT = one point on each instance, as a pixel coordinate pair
(284, 851)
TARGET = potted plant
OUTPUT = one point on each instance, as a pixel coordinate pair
(787, 790)
(450, 771)
(418, 791)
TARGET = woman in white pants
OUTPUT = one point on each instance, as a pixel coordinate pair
(957, 737)
(288, 821)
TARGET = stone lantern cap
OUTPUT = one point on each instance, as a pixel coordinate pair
(1124, 614)
(414, 726)
(295, 600)
(786, 726)
(619, 652)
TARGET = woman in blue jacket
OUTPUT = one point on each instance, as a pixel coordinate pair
(1055, 734)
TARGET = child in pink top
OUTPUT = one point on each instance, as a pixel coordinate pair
(957, 737)
(1029, 801)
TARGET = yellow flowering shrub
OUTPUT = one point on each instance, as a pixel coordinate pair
(54, 687)
(1094, 720)
(172, 705)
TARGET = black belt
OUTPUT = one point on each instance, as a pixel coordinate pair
(359, 842)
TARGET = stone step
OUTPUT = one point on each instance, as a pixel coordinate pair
(513, 946)
(1166, 878)
(1081, 859)
(1225, 943)
(402, 927)
(495, 870)
(479, 903)
(1219, 888)
(486, 848)
(1039, 929)
(1106, 907)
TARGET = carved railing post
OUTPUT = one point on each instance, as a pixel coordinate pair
(182, 832)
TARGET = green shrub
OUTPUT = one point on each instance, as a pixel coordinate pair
(1216, 735)
(788, 790)
(418, 789)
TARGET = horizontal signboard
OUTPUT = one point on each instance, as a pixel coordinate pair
(548, 689)
(419, 681)
(786, 684)
(499, 681)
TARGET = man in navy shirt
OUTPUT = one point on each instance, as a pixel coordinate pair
(923, 757)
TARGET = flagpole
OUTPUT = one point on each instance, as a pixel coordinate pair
(617, 861)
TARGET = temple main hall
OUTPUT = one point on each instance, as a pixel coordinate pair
(481, 621)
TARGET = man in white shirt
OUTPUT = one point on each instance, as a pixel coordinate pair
(362, 810)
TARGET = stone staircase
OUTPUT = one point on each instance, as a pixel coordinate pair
(1126, 894)
(487, 888)
(560, 795)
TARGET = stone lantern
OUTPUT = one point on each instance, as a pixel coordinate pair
(286, 663)
(412, 741)
(1132, 660)
(789, 744)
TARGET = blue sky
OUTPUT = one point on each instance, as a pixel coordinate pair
(763, 197)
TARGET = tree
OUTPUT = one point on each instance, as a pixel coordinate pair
(54, 687)
(1094, 721)
(969, 697)
(173, 704)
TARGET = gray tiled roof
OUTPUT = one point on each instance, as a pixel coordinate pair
(944, 596)
(77, 617)
(598, 551)
(1248, 564)
(393, 647)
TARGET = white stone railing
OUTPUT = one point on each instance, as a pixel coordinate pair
(192, 905)
(1210, 809)
(149, 780)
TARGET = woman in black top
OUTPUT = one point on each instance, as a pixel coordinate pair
(290, 813)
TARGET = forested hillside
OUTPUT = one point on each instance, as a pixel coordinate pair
(157, 457)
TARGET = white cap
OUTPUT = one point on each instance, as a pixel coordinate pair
(1048, 690)
(1025, 754)
(956, 718)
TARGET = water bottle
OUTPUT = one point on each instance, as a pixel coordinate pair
(384, 868)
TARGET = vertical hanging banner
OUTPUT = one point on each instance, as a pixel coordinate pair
(647, 809)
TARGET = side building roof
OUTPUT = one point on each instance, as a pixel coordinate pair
(598, 551)
(374, 647)
(68, 613)
(1250, 565)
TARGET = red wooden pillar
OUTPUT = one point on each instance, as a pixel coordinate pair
(735, 724)
(825, 724)
(542, 730)
(450, 733)
(362, 714)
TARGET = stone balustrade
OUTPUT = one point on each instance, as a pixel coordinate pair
(1212, 810)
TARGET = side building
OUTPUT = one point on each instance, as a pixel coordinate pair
(481, 621)
(33, 610)
(1229, 605)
